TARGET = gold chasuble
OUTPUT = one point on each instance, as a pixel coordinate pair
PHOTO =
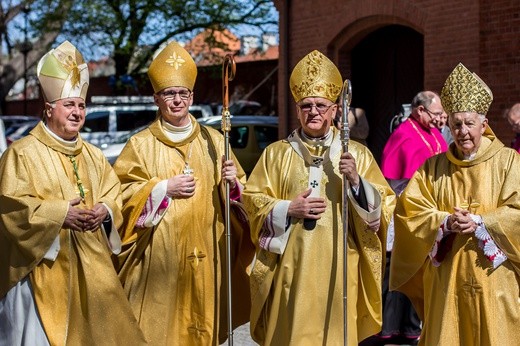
(462, 299)
(173, 273)
(78, 295)
(297, 296)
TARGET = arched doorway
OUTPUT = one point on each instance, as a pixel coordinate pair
(386, 71)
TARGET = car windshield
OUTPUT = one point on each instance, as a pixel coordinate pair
(124, 138)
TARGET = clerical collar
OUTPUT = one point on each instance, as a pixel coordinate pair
(470, 156)
(70, 144)
(177, 133)
(314, 142)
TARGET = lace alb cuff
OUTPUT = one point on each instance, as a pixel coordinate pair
(487, 244)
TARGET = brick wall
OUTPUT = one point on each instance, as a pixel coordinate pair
(482, 34)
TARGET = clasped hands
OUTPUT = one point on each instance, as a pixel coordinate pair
(79, 219)
(461, 222)
(183, 185)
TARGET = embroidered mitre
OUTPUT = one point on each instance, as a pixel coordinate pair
(63, 73)
(315, 76)
(172, 67)
(464, 91)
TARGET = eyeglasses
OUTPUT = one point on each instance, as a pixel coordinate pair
(433, 114)
(170, 95)
(321, 108)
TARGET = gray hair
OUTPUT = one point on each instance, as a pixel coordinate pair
(424, 98)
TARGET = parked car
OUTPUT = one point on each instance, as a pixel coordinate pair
(22, 131)
(13, 122)
(112, 150)
(201, 111)
(108, 118)
(3, 143)
(245, 107)
(249, 136)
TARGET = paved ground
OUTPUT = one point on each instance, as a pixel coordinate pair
(241, 337)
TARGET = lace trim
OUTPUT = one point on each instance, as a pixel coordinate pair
(492, 252)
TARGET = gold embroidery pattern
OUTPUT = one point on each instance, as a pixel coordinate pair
(464, 91)
(264, 264)
(372, 249)
(175, 61)
(195, 257)
(315, 75)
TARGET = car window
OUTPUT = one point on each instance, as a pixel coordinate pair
(96, 122)
(265, 135)
(129, 120)
(197, 113)
(238, 137)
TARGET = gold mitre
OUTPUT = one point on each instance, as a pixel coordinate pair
(63, 73)
(172, 67)
(315, 76)
(464, 91)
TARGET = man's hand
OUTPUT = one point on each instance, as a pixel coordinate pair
(77, 218)
(181, 186)
(347, 166)
(229, 172)
(99, 213)
(305, 207)
(461, 222)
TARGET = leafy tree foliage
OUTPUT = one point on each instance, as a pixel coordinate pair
(132, 30)
(45, 20)
(128, 30)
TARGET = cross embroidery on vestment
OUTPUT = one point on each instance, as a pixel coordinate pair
(472, 287)
(196, 256)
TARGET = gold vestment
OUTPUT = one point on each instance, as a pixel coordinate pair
(297, 297)
(173, 273)
(463, 301)
(79, 297)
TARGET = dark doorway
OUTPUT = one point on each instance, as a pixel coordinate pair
(387, 71)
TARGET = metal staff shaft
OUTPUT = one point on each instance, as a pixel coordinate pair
(346, 97)
(228, 73)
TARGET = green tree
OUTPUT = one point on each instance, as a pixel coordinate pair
(46, 18)
(132, 30)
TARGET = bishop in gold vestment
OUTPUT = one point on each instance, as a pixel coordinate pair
(173, 262)
(58, 285)
(297, 279)
(457, 242)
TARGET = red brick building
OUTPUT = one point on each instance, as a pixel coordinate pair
(391, 49)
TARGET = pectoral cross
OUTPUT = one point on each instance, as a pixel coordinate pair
(187, 169)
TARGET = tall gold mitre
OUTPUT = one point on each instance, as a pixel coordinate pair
(63, 73)
(464, 91)
(172, 67)
(315, 76)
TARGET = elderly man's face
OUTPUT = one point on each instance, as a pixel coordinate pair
(174, 104)
(442, 120)
(66, 117)
(467, 129)
(315, 115)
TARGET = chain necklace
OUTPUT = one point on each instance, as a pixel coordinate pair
(187, 170)
(78, 180)
(438, 149)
